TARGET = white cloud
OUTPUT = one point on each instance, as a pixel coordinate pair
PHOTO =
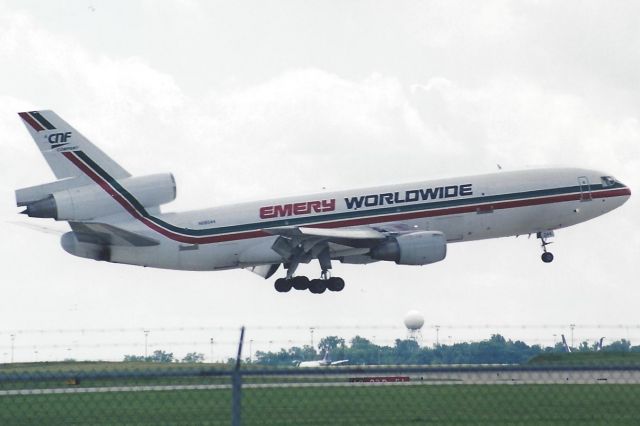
(481, 92)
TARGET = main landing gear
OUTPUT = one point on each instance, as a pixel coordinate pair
(315, 286)
(547, 256)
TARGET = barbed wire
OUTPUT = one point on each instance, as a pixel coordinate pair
(274, 344)
(316, 327)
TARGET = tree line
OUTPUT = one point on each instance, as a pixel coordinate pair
(361, 351)
(162, 356)
(495, 350)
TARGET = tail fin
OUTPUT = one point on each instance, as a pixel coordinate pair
(54, 136)
(564, 343)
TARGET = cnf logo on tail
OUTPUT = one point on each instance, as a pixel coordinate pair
(58, 139)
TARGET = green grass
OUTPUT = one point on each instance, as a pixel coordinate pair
(100, 366)
(135, 375)
(587, 359)
(375, 405)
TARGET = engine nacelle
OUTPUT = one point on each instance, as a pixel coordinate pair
(90, 201)
(71, 245)
(416, 248)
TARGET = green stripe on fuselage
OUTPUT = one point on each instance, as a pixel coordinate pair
(353, 214)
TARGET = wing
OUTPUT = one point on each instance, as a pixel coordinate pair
(342, 361)
(109, 235)
(302, 244)
(356, 237)
(297, 245)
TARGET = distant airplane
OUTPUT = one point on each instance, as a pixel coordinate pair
(324, 362)
(116, 217)
(567, 348)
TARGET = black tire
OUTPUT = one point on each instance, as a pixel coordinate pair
(547, 257)
(335, 284)
(317, 286)
(282, 285)
(300, 283)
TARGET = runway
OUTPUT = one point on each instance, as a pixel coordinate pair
(436, 378)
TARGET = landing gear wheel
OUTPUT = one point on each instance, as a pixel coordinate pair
(282, 285)
(317, 286)
(547, 257)
(335, 284)
(300, 283)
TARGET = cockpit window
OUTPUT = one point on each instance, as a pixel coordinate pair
(607, 181)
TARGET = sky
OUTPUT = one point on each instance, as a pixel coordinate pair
(253, 100)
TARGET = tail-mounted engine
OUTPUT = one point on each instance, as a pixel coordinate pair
(64, 200)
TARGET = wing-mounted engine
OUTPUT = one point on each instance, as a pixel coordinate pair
(416, 248)
(79, 200)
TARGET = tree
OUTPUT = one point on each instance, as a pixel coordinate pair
(286, 357)
(406, 350)
(134, 358)
(584, 347)
(331, 343)
(161, 356)
(193, 357)
(618, 346)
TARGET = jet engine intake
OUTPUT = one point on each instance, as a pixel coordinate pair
(416, 248)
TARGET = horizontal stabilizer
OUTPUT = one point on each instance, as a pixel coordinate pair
(39, 228)
(109, 235)
(25, 196)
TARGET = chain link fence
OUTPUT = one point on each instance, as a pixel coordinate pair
(137, 393)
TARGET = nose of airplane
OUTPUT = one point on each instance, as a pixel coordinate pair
(622, 193)
(616, 192)
(626, 191)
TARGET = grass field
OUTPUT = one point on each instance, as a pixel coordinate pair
(388, 405)
(462, 404)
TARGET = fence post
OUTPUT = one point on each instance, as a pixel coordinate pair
(236, 386)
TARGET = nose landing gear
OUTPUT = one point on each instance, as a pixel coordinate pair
(547, 256)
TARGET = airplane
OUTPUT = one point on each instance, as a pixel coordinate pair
(567, 348)
(324, 362)
(116, 217)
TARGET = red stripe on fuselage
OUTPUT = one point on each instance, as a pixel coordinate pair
(32, 122)
(133, 212)
(468, 209)
(334, 224)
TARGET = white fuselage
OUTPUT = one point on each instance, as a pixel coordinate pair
(464, 209)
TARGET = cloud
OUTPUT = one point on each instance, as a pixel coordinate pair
(443, 90)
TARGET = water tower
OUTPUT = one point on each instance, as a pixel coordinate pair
(414, 321)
